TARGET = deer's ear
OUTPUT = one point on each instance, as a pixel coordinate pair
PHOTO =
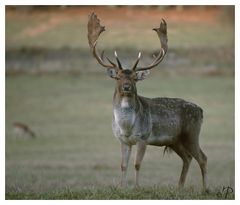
(112, 73)
(141, 75)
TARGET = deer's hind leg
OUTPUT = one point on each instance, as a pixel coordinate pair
(201, 158)
(186, 158)
(191, 144)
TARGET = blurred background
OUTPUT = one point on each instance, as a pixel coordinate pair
(56, 88)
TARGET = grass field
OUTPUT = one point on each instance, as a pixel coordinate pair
(66, 98)
(75, 150)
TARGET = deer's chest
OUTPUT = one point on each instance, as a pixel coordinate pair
(124, 120)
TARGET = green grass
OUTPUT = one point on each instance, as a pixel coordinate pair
(75, 154)
(129, 193)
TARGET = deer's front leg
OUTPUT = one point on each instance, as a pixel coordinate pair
(126, 152)
(141, 148)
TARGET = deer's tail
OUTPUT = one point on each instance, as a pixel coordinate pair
(167, 150)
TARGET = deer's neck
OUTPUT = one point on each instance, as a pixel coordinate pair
(126, 103)
(125, 112)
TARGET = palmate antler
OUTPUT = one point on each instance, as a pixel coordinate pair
(162, 34)
(94, 31)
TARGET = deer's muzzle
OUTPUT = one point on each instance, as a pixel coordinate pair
(127, 87)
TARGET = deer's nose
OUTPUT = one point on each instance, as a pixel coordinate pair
(126, 87)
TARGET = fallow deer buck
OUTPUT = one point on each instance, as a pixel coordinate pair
(170, 122)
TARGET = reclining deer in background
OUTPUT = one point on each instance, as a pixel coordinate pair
(170, 122)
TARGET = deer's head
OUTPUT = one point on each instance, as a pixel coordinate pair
(126, 78)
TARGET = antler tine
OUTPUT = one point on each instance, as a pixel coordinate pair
(136, 63)
(100, 59)
(111, 62)
(118, 61)
(157, 60)
(94, 31)
(162, 35)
